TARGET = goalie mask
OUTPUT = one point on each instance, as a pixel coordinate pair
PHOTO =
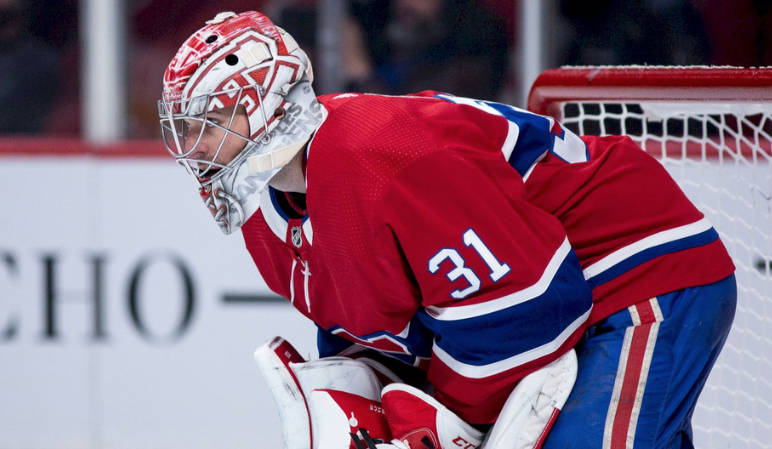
(237, 106)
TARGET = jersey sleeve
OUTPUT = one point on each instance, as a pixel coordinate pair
(501, 289)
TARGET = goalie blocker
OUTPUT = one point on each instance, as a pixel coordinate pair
(340, 403)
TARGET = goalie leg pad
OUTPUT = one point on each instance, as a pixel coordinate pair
(533, 406)
(274, 359)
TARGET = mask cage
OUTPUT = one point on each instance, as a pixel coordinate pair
(185, 122)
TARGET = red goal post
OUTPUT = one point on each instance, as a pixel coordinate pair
(681, 84)
(689, 89)
(711, 127)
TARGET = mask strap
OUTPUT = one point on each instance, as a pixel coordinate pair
(277, 158)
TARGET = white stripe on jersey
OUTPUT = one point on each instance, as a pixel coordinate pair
(513, 133)
(275, 221)
(479, 372)
(308, 231)
(511, 140)
(373, 339)
(513, 299)
(651, 241)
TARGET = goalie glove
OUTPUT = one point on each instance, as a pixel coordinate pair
(419, 421)
(323, 401)
(339, 419)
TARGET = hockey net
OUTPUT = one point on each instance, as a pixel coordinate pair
(711, 127)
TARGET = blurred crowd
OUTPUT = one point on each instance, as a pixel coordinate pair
(465, 47)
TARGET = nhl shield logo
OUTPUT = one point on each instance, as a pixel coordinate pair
(297, 238)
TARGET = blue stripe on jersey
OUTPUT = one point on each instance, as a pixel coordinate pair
(535, 131)
(278, 208)
(534, 139)
(693, 241)
(417, 342)
(329, 344)
(526, 327)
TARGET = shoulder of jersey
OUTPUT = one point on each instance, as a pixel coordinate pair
(358, 115)
(358, 121)
(336, 100)
(332, 101)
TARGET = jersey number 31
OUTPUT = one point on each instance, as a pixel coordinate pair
(498, 269)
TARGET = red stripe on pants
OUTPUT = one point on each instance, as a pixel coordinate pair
(633, 373)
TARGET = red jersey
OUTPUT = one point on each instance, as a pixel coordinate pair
(436, 229)
(418, 240)
(635, 232)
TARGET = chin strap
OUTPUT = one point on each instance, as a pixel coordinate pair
(276, 158)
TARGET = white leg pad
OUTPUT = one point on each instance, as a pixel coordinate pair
(533, 406)
(274, 359)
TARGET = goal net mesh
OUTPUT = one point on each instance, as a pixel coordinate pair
(715, 139)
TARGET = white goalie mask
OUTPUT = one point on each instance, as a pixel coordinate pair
(237, 106)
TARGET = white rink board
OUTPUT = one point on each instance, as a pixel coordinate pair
(80, 384)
